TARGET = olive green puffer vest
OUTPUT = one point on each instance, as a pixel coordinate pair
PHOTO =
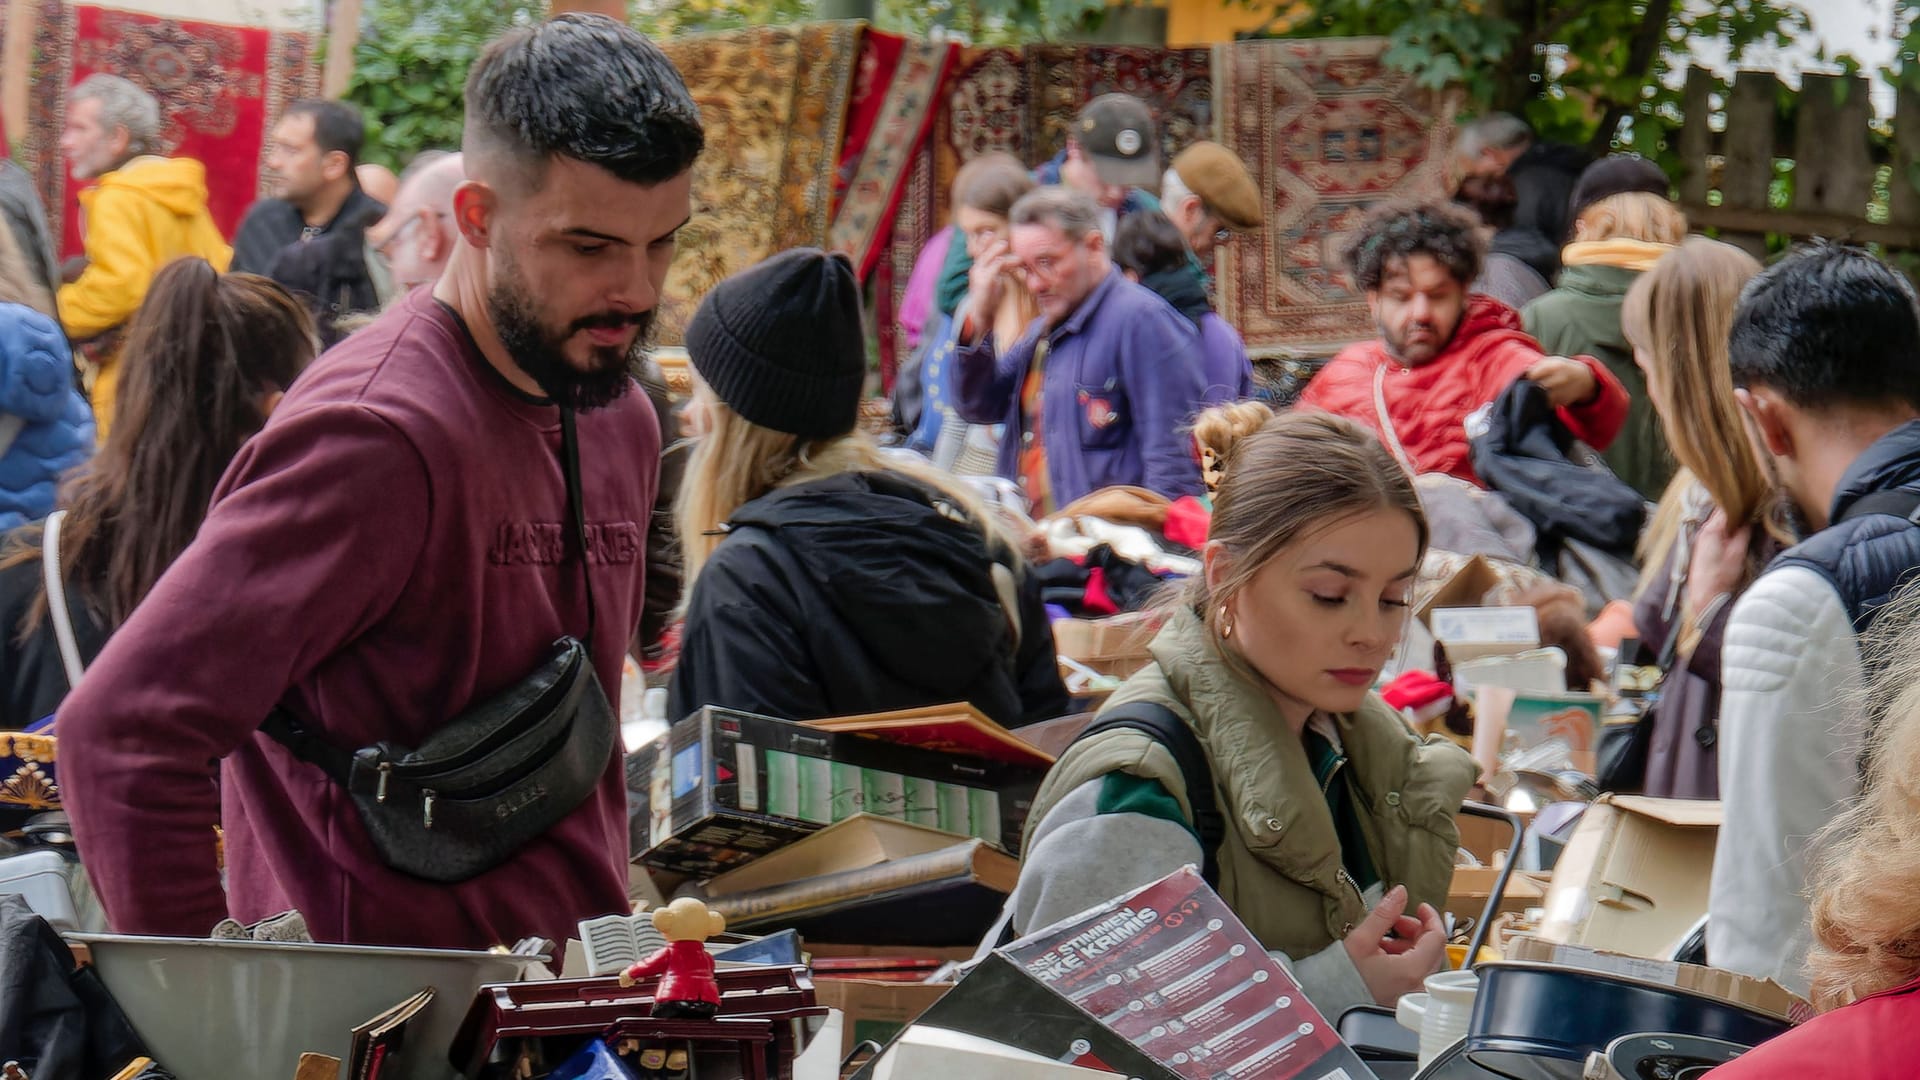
(1280, 866)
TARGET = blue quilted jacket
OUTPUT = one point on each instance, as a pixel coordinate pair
(36, 385)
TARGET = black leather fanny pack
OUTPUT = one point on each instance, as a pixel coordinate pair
(494, 777)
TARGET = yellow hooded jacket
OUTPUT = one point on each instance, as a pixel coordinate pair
(139, 217)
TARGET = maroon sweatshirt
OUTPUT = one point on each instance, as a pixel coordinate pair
(387, 552)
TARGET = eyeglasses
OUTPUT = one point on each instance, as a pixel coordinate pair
(386, 245)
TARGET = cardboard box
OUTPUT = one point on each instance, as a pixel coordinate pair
(1472, 885)
(876, 1011)
(1633, 878)
(1113, 646)
(1764, 995)
(723, 788)
(1466, 587)
(1473, 632)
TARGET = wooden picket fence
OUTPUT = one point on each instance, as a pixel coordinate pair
(1834, 162)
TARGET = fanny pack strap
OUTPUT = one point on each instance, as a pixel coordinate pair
(577, 511)
(286, 729)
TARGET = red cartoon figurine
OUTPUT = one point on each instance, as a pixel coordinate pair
(687, 989)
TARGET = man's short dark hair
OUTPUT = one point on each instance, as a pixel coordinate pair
(1392, 234)
(1148, 242)
(1829, 325)
(336, 127)
(583, 87)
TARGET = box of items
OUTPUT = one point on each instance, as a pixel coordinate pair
(1475, 632)
(1763, 994)
(723, 788)
(1633, 878)
(1473, 885)
(1112, 646)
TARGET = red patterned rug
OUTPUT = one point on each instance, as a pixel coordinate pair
(773, 99)
(891, 113)
(1328, 131)
(220, 89)
(914, 222)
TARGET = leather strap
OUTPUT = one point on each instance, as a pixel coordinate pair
(577, 511)
(286, 729)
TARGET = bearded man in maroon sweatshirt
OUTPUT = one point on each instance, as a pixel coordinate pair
(393, 548)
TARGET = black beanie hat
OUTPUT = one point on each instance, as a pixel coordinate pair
(781, 343)
(1615, 175)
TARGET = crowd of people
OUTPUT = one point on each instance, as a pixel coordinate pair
(358, 472)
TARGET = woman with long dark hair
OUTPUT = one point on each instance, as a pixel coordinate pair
(207, 358)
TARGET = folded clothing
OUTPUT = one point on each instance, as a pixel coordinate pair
(1100, 583)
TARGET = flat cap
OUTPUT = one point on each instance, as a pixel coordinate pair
(1222, 181)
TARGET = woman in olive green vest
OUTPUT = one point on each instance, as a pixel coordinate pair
(1340, 834)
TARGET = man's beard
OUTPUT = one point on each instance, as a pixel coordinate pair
(541, 352)
(1430, 349)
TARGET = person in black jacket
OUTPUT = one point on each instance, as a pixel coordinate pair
(330, 275)
(208, 356)
(312, 155)
(825, 579)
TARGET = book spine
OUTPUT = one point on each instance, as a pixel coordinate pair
(811, 893)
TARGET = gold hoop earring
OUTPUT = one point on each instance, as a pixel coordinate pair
(1226, 623)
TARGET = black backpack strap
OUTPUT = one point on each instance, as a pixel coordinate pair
(1165, 727)
(1896, 503)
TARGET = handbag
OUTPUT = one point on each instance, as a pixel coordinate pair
(494, 777)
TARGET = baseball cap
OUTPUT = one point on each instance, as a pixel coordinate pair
(1116, 133)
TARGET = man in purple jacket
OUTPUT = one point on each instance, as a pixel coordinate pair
(387, 551)
(1100, 389)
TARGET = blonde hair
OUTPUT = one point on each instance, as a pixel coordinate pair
(1633, 215)
(1866, 927)
(1282, 478)
(738, 461)
(1680, 313)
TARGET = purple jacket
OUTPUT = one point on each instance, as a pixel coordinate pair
(1122, 381)
(1223, 362)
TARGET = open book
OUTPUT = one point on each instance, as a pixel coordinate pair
(954, 729)
(378, 1042)
(614, 943)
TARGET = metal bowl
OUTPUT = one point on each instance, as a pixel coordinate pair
(1536, 1021)
(216, 1010)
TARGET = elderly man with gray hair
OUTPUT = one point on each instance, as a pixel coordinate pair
(1099, 391)
(142, 211)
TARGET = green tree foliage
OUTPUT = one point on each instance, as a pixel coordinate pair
(411, 64)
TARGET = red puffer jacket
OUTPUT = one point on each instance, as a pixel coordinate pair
(1876, 1038)
(1429, 404)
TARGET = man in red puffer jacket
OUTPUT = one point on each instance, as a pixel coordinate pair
(1442, 353)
